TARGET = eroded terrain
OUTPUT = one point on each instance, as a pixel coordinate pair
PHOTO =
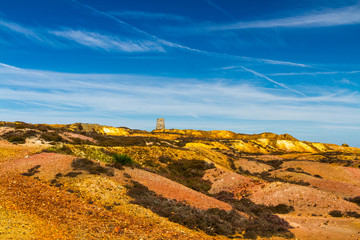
(86, 181)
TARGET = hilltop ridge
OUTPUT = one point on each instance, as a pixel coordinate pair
(116, 182)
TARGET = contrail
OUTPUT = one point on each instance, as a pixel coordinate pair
(273, 81)
(211, 3)
(175, 45)
(179, 46)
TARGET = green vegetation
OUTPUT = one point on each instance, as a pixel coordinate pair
(353, 214)
(264, 223)
(122, 159)
(354, 200)
(281, 209)
(61, 148)
(114, 141)
(187, 172)
(52, 137)
(19, 137)
(32, 171)
(336, 213)
(23, 125)
(91, 167)
(213, 221)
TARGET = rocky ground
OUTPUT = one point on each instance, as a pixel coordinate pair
(92, 182)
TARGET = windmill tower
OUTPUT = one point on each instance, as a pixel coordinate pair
(160, 124)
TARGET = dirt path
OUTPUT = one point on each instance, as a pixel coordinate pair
(320, 228)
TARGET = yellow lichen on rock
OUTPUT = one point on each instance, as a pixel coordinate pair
(248, 146)
(320, 147)
(208, 145)
(114, 131)
(223, 134)
(294, 146)
(208, 154)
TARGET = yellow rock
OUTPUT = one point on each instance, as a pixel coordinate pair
(114, 131)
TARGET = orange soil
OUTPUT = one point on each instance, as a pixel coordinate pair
(59, 214)
(225, 180)
(319, 228)
(10, 151)
(172, 190)
(305, 200)
(68, 135)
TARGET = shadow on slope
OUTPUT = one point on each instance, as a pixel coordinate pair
(213, 221)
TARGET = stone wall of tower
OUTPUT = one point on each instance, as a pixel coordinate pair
(160, 124)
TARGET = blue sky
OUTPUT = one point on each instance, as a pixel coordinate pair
(248, 66)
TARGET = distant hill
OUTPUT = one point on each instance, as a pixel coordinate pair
(89, 181)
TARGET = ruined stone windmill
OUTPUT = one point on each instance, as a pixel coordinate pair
(160, 124)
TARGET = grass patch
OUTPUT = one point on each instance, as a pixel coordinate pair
(122, 159)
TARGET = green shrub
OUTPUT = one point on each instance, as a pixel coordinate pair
(32, 171)
(51, 137)
(336, 213)
(263, 222)
(19, 136)
(189, 173)
(213, 221)
(17, 139)
(281, 208)
(122, 159)
(354, 200)
(353, 214)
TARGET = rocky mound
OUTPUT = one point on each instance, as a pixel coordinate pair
(90, 181)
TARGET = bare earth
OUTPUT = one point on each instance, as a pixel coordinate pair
(43, 196)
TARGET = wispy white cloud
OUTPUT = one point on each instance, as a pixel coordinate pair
(183, 47)
(148, 15)
(17, 28)
(322, 18)
(108, 42)
(348, 82)
(113, 42)
(90, 39)
(9, 66)
(152, 95)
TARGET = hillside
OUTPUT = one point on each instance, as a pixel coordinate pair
(88, 181)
